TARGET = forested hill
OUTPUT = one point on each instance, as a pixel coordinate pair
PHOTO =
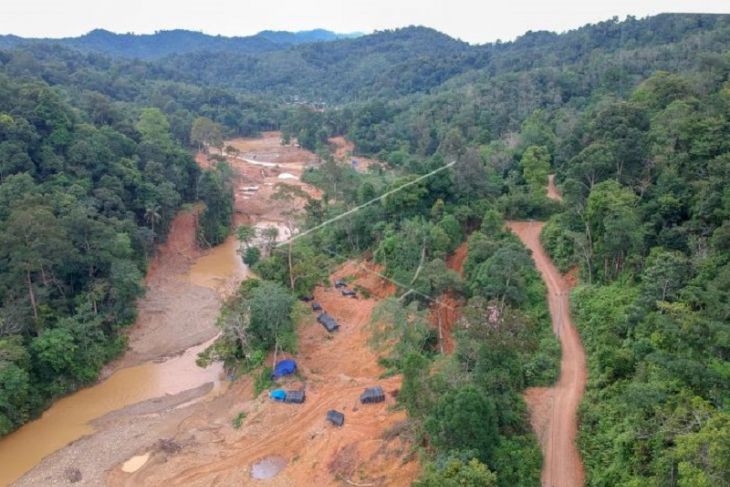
(89, 183)
(389, 64)
(167, 42)
(418, 59)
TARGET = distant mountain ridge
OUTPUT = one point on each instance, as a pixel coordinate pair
(167, 42)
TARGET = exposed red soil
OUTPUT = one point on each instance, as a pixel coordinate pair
(343, 147)
(344, 151)
(269, 147)
(552, 190)
(572, 276)
(554, 410)
(263, 166)
(178, 250)
(367, 275)
(445, 313)
(455, 261)
(335, 369)
(201, 159)
(443, 316)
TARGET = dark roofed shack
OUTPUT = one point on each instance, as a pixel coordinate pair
(316, 307)
(295, 397)
(340, 283)
(335, 417)
(328, 322)
(372, 395)
(349, 292)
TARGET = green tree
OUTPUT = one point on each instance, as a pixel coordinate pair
(502, 276)
(206, 132)
(154, 128)
(16, 389)
(251, 256)
(245, 234)
(271, 323)
(470, 175)
(535, 164)
(464, 419)
(665, 274)
(704, 456)
(457, 474)
(613, 226)
(270, 235)
(152, 216)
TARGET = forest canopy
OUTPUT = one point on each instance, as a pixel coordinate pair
(632, 117)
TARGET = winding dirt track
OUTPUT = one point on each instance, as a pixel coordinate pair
(552, 190)
(556, 424)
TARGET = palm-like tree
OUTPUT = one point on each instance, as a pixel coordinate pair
(152, 215)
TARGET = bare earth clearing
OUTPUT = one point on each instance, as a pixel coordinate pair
(344, 150)
(185, 436)
(334, 369)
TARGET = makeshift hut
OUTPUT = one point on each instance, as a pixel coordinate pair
(328, 322)
(295, 397)
(372, 395)
(284, 367)
(335, 417)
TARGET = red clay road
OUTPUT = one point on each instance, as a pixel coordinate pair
(562, 466)
(552, 190)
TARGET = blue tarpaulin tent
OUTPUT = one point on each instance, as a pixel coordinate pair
(284, 367)
(278, 395)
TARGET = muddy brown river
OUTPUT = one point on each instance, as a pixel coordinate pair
(70, 418)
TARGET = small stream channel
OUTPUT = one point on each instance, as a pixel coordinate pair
(69, 418)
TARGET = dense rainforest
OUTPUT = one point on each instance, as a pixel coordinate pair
(632, 116)
(88, 186)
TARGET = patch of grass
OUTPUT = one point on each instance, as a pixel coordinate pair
(263, 381)
(238, 420)
(365, 293)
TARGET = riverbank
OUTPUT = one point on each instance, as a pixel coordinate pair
(177, 428)
(176, 318)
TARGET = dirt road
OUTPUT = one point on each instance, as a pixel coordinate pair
(552, 190)
(554, 410)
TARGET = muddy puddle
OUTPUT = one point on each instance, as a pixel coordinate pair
(135, 463)
(268, 467)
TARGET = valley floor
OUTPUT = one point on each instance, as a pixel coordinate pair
(183, 435)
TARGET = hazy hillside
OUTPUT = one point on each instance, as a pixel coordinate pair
(418, 59)
(167, 42)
